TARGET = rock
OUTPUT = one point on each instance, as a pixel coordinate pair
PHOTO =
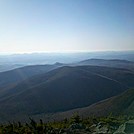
(126, 128)
(77, 126)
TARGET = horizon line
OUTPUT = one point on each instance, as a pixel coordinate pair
(63, 52)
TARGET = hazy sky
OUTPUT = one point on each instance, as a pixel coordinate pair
(66, 25)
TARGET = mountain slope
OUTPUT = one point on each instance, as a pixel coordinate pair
(122, 104)
(19, 74)
(63, 89)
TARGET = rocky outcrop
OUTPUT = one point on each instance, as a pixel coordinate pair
(126, 128)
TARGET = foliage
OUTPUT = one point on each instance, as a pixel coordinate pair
(59, 127)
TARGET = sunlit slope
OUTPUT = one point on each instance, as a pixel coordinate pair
(16, 75)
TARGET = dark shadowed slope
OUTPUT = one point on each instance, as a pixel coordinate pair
(63, 89)
(122, 104)
(109, 63)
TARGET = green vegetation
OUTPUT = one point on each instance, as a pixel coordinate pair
(75, 124)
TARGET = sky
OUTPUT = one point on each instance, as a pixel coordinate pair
(28, 26)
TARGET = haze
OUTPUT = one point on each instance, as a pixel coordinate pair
(66, 25)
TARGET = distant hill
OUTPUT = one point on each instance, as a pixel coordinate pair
(11, 78)
(109, 63)
(63, 89)
(7, 67)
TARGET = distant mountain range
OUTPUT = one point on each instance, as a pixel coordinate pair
(56, 88)
(8, 62)
(108, 63)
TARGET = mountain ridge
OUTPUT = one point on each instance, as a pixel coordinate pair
(63, 89)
